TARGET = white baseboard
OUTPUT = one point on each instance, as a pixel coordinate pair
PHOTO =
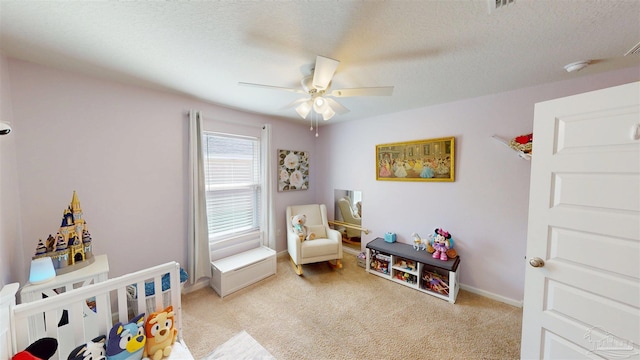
(492, 296)
(345, 250)
(201, 284)
(348, 250)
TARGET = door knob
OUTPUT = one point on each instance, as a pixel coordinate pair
(536, 262)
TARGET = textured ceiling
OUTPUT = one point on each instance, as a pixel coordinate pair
(431, 51)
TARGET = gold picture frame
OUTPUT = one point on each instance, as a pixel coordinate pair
(420, 160)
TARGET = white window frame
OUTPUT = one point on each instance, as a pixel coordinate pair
(237, 237)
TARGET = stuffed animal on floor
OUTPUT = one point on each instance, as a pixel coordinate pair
(42, 349)
(126, 341)
(93, 350)
(161, 334)
(298, 223)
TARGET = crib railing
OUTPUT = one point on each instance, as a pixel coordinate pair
(7, 301)
(75, 317)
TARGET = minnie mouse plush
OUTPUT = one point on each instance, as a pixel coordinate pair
(441, 242)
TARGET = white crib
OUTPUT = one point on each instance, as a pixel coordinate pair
(108, 304)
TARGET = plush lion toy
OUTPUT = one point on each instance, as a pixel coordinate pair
(161, 333)
(298, 223)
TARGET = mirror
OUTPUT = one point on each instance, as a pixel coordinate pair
(348, 209)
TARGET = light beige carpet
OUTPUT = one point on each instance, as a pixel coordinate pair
(240, 347)
(349, 314)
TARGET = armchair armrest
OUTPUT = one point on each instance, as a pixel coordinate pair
(334, 234)
(292, 236)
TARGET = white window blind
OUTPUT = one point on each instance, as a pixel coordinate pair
(232, 182)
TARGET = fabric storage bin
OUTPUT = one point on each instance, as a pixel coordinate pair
(362, 260)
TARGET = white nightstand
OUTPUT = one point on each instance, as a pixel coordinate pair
(95, 272)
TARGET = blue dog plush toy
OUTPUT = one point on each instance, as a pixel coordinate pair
(126, 341)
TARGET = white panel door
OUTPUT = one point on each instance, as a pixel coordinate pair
(582, 282)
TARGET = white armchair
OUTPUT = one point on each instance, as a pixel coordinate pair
(327, 245)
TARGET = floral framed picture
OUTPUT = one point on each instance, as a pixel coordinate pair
(293, 171)
(421, 160)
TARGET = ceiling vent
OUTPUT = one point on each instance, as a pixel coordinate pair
(634, 50)
(497, 4)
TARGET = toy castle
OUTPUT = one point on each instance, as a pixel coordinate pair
(72, 244)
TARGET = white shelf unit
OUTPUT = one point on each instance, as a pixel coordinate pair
(505, 142)
(404, 265)
(402, 273)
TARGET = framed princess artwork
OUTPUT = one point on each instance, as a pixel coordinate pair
(293, 170)
(420, 160)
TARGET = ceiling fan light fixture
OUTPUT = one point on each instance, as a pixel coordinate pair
(320, 105)
(328, 113)
(303, 109)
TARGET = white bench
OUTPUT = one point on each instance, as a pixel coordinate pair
(238, 271)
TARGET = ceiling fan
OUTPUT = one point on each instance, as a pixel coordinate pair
(318, 96)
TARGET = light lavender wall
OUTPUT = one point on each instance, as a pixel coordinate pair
(124, 150)
(11, 257)
(485, 209)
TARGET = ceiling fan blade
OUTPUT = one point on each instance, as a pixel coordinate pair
(368, 91)
(323, 72)
(295, 102)
(336, 106)
(298, 91)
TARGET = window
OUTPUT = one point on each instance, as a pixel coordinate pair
(232, 183)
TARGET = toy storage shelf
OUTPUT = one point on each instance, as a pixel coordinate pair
(403, 264)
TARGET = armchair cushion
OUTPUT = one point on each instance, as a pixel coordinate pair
(319, 247)
(319, 230)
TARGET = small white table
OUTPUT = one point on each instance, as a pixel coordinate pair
(95, 272)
